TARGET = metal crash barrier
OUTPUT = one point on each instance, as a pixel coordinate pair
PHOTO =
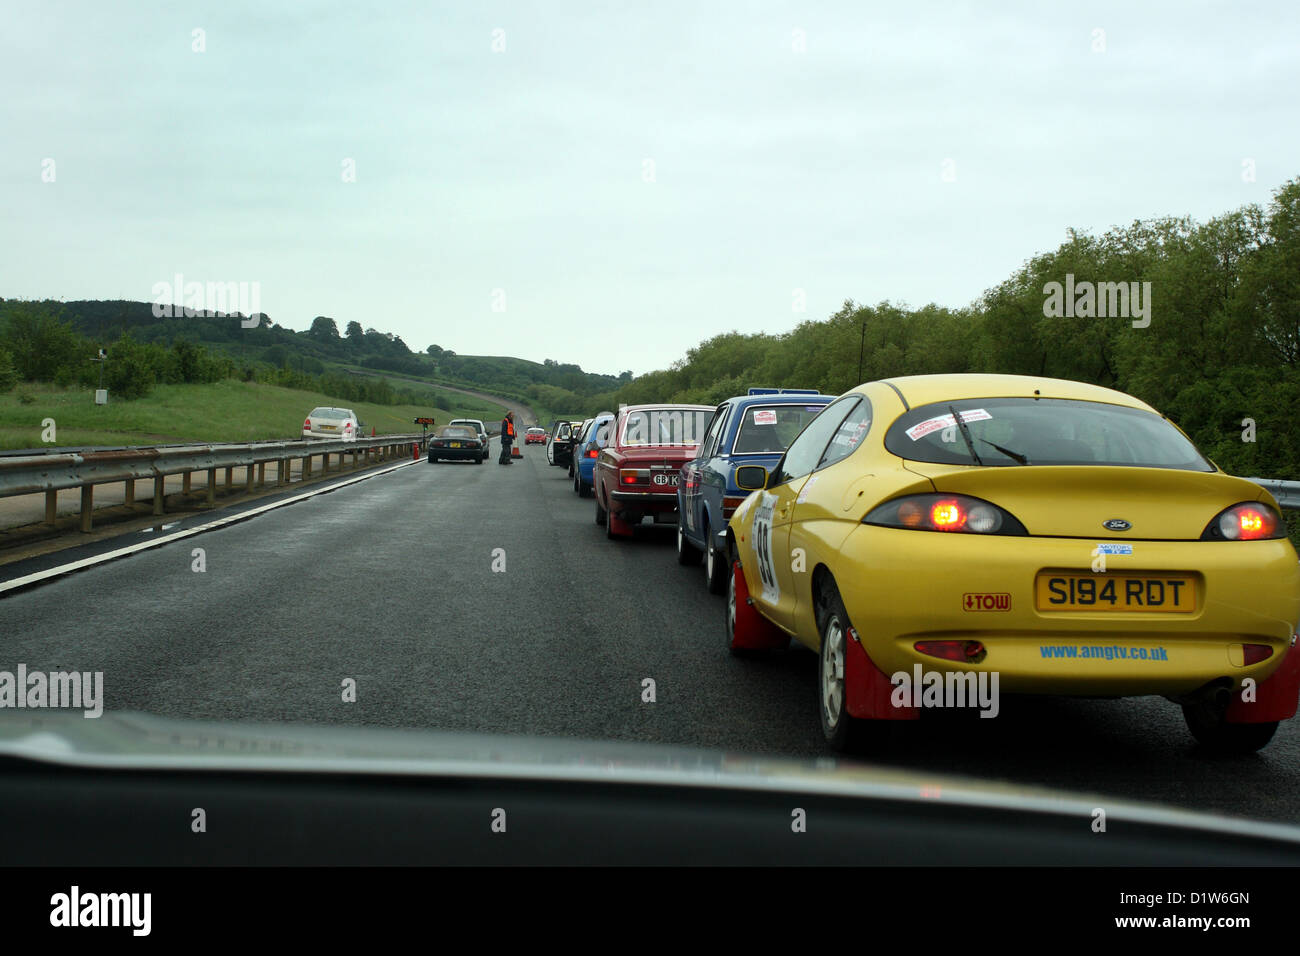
(52, 473)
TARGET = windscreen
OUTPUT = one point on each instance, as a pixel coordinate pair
(1027, 431)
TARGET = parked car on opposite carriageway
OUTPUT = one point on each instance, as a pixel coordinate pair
(329, 422)
(594, 437)
(1036, 535)
(458, 443)
(638, 471)
(752, 429)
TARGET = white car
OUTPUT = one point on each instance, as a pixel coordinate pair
(327, 422)
(482, 431)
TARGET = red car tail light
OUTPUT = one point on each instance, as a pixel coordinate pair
(633, 476)
(593, 453)
(950, 513)
(1247, 521)
(307, 425)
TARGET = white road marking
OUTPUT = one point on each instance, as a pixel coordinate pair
(30, 579)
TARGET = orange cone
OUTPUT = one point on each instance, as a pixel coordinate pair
(515, 452)
(415, 452)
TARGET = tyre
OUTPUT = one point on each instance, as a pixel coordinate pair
(715, 568)
(687, 553)
(601, 516)
(479, 461)
(842, 732)
(584, 489)
(1207, 722)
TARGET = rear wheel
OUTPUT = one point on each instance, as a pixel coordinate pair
(841, 731)
(715, 569)
(687, 553)
(1207, 720)
(601, 515)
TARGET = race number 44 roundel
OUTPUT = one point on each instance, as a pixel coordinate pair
(762, 535)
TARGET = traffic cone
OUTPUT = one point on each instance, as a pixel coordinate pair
(515, 452)
(415, 452)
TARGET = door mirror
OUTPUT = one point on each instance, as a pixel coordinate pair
(751, 477)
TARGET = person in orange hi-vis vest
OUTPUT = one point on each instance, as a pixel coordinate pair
(507, 438)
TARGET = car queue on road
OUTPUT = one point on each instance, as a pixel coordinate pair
(939, 539)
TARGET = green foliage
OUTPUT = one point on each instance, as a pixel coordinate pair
(8, 374)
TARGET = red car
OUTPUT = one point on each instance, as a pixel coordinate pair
(637, 473)
(535, 436)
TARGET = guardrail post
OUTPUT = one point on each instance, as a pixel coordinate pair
(248, 479)
(325, 463)
(261, 473)
(129, 497)
(51, 506)
(87, 507)
(282, 472)
(230, 476)
(185, 484)
(212, 488)
(159, 495)
(306, 467)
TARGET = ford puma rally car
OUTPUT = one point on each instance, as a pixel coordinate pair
(1036, 535)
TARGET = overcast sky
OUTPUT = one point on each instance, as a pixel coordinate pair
(912, 152)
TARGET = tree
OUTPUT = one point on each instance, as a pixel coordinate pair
(356, 335)
(324, 329)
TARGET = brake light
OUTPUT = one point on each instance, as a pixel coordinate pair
(952, 513)
(307, 424)
(633, 476)
(593, 453)
(1248, 521)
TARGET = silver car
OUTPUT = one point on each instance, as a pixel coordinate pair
(327, 422)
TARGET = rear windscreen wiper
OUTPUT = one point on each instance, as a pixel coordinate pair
(965, 433)
(1017, 458)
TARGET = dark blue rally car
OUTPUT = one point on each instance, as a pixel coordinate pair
(752, 429)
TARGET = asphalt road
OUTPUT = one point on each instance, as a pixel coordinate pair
(390, 582)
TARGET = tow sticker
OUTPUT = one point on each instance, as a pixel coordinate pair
(1108, 548)
(924, 428)
(764, 416)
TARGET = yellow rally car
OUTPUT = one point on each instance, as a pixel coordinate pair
(928, 533)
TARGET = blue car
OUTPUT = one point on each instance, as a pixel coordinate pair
(753, 429)
(594, 437)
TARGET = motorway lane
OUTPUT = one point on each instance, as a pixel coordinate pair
(390, 582)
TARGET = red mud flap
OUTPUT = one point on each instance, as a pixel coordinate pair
(752, 631)
(1275, 698)
(867, 688)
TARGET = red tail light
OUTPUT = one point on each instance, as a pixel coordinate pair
(593, 453)
(633, 476)
(1248, 521)
(959, 513)
(307, 424)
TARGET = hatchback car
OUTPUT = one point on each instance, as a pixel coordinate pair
(1036, 535)
(594, 437)
(535, 436)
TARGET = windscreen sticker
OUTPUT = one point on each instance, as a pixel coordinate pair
(764, 416)
(807, 487)
(920, 430)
